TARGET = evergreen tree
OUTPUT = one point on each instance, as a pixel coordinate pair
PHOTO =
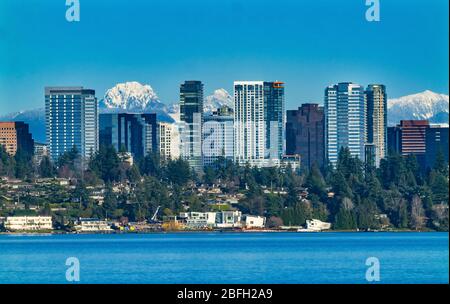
(178, 172)
(110, 201)
(106, 164)
(46, 168)
(315, 182)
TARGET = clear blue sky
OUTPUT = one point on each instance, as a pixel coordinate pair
(309, 44)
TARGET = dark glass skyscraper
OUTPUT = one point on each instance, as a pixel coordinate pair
(274, 119)
(136, 133)
(305, 134)
(436, 141)
(191, 117)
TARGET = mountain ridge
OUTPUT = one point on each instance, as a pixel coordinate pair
(137, 98)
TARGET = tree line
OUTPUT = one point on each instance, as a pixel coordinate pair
(350, 196)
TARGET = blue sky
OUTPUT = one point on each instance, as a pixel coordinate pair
(308, 44)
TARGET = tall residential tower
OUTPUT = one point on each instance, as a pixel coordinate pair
(258, 122)
(345, 120)
(376, 107)
(71, 115)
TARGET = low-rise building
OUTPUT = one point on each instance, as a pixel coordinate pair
(253, 221)
(229, 219)
(92, 225)
(28, 223)
(126, 158)
(198, 220)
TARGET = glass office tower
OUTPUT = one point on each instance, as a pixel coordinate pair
(135, 133)
(191, 117)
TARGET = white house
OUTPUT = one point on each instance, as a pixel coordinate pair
(229, 219)
(92, 225)
(252, 221)
(199, 219)
(28, 223)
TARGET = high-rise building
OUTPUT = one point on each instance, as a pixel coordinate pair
(413, 134)
(218, 137)
(345, 120)
(134, 133)
(71, 120)
(409, 137)
(169, 141)
(305, 134)
(274, 117)
(394, 140)
(191, 117)
(15, 136)
(376, 120)
(40, 151)
(436, 142)
(258, 122)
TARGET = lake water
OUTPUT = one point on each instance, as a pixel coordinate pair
(226, 257)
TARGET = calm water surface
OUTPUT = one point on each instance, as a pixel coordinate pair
(226, 257)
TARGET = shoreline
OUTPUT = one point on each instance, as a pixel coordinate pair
(46, 233)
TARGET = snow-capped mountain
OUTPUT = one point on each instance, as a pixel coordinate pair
(217, 100)
(130, 96)
(426, 105)
(133, 97)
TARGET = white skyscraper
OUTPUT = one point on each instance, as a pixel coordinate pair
(169, 141)
(345, 120)
(218, 137)
(249, 126)
(258, 122)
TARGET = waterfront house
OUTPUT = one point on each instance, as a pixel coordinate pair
(229, 219)
(198, 220)
(252, 221)
(28, 223)
(92, 225)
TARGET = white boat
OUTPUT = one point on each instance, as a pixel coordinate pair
(315, 226)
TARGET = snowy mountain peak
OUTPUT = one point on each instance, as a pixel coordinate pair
(131, 96)
(134, 97)
(425, 105)
(217, 100)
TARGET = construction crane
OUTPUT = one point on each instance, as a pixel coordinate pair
(153, 219)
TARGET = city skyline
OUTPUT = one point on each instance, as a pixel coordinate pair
(300, 56)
